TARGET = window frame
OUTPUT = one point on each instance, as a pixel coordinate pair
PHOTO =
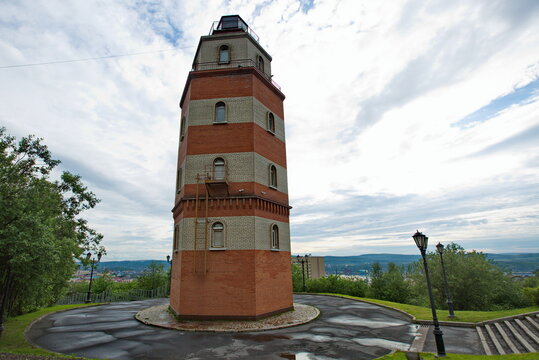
(270, 122)
(274, 237)
(221, 50)
(260, 61)
(220, 104)
(179, 182)
(176, 238)
(182, 127)
(223, 232)
(273, 182)
(213, 177)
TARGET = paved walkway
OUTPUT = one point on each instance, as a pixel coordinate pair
(346, 329)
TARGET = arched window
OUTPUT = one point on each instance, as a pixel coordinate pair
(260, 63)
(179, 180)
(272, 176)
(218, 169)
(224, 54)
(182, 128)
(274, 236)
(176, 237)
(220, 112)
(271, 123)
(217, 235)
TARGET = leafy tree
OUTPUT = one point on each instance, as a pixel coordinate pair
(153, 277)
(297, 279)
(473, 281)
(41, 231)
(390, 285)
(103, 283)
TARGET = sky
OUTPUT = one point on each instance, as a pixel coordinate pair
(400, 115)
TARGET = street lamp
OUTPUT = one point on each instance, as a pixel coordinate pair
(421, 241)
(440, 249)
(93, 262)
(303, 261)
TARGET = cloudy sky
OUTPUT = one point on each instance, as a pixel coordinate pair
(400, 115)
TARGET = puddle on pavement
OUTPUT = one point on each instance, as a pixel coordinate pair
(383, 343)
(373, 323)
(303, 356)
(316, 338)
(261, 337)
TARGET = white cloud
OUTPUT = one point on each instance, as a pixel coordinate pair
(374, 90)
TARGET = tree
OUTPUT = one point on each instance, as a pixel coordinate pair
(390, 285)
(473, 281)
(153, 277)
(297, 278)
(41, 232)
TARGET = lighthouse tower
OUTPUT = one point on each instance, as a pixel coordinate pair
(231, 252)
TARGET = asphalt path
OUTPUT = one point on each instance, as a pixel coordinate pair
(345, 329)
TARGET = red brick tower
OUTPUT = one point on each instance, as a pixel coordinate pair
(231, 231)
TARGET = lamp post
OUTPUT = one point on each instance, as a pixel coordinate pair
(303, 261)
(93, 262)
(169, 261)
(440, 249)
(421, 241)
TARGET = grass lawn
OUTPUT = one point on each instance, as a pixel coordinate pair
(423, 313)
(12, 339)
(425, 356)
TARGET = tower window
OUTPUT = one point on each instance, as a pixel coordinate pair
(273, 176)
(179, 180)
(218, 169)
(260, 64)
(271, 123)
(217, 235)
(176, 237)
(274, 236)
(220, 112)
(182, 128)
(224, 54)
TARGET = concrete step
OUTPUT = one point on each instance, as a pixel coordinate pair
(511, 336)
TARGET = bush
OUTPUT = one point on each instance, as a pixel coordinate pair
(532, 294)
(337, 284)
(390, 286)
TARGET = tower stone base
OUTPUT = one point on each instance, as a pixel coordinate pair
(238, 284)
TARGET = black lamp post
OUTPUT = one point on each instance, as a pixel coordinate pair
(93, 262)
(303, 261)
(440, 249)
(169, 261)
(421, 241)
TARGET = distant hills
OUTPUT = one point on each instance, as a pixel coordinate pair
(354, 265)
(517, 263)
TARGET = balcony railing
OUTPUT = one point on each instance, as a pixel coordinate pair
(212, 65)
(220, 26)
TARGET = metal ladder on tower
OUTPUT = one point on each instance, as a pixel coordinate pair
(201, 228)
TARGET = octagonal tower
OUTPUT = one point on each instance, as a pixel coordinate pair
(231, 252)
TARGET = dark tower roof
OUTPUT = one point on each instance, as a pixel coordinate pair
(232, 23)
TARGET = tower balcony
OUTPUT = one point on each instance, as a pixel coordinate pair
(233, 64)
(216, 180)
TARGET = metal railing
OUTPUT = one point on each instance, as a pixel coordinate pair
(217, 27)
(212, 65)
(109, 296)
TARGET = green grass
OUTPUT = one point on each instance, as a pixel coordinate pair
(426, 356)
(423, 313)
(12, 339)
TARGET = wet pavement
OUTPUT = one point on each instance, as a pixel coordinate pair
(346, 329)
